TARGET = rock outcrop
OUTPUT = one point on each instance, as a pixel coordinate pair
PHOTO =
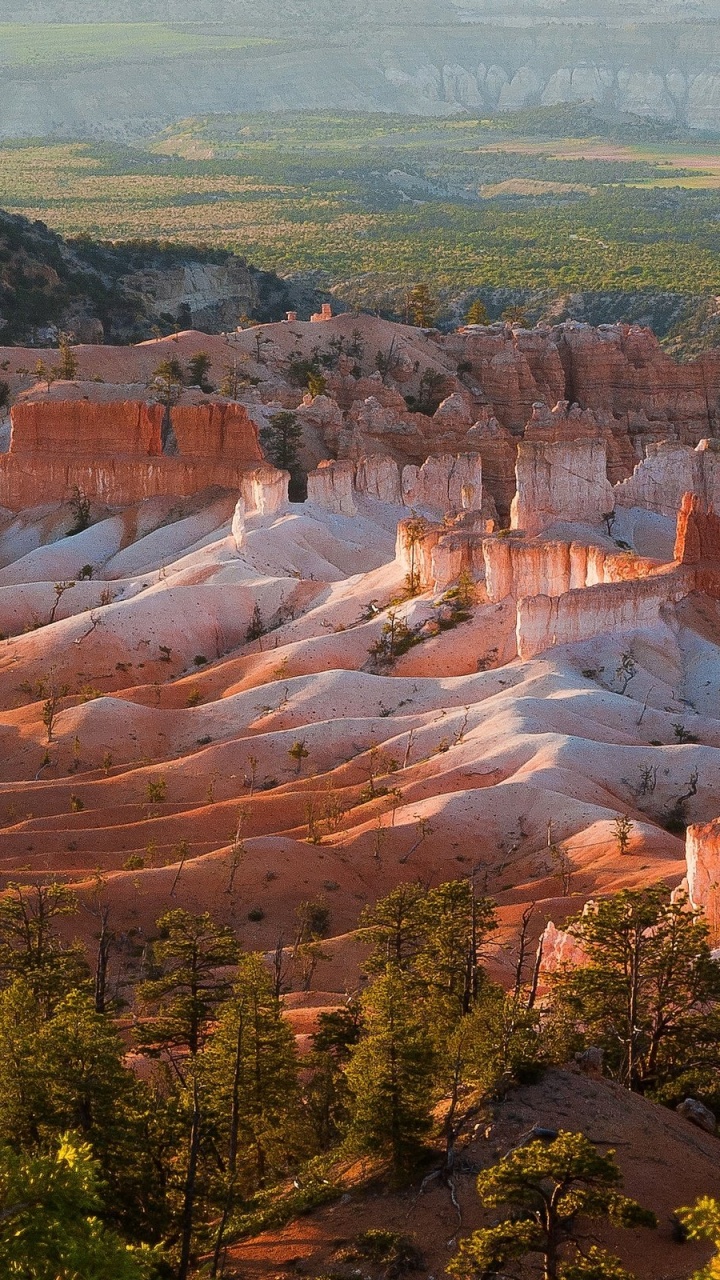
(563, 481)
(332, 486)
(514, 567)
(443, 485)
(702, 855)
(111, 450)
(659, 482)
(264, 490)
(545, 621)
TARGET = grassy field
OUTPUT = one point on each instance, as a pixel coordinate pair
(78, 44)
(375, 203)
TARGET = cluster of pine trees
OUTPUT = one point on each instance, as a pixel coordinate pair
(142, 1139)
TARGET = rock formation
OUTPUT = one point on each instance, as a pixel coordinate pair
(669, 471)
(545, 621)
(702, 855)
(111, 450)
(563, 481)
(332, 487)
(443, 485)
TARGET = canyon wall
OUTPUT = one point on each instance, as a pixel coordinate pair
(517, 568)
(702, 855)
(112, 451)
(669, 471)
(560, 481)
(443, 485)
(433, 58)
(544, 621)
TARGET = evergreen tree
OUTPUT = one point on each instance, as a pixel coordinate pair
(49, 1223)
(197, 371)
(702, 1222)
(280, 438)
(547, 1190)
(649, 992)
(67, 367)
(434, 935)
(188, 989)
(516, 315)
(249, 1079)
(477, 313)
(167, 384)
(390, 1075)
(30, 946)
(250, 1091)
(456, 923)
(496, 1045)
(394, 927)
(68, 1073)
(327, 1092)
(422, 306)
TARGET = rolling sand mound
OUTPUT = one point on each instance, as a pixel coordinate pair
(173, 734)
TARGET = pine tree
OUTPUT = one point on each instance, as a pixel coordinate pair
(249, 1091)
(702, 1222)
(456, 925)
(495, 1046)
(477, 313)
(188, 989)
(280, 438)
(394, 928)
(649, 993)
(547, 1190)
(67, 367)
(327, 1092)
(435, 936)
(49, 1219)
(197, 371)
(390, 1075)
(30, 946)
(68, 1073)
(422, 306)
(249, 1078)
(167, 384)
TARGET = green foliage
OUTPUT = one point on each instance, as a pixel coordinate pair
(390, 1076)
(67, 1072)
(50, 1228)
(648, 994)
(281, 438)
(702, 1222)
(477, 313)
(156, 790)
(168, 381)
(301, 192)
(422, 306)
(298, 752)
(327, 1093)
(79, 505)
(197, 371)
(435, 937)
(249, 1083)
(31, 947)
(395, 639)
(546, 1190)
(67, 367)
(187, 989)
(381, 1248)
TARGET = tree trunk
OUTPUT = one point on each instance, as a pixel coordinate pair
(103, 956)
(188, 1208)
